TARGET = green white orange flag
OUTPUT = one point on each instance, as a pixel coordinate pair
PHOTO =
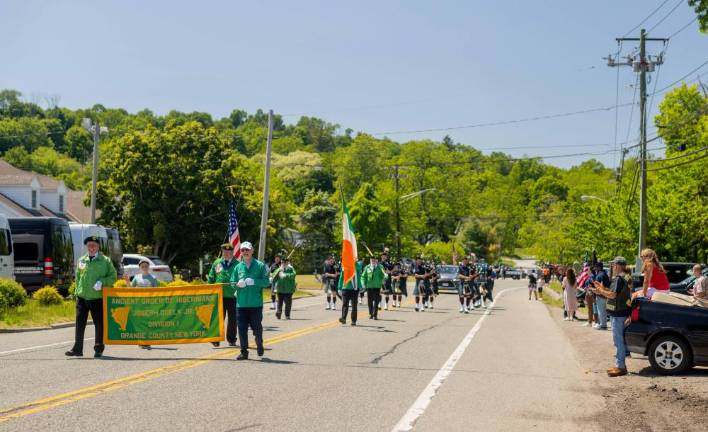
(349, 251)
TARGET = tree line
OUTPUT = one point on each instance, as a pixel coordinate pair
(165, 182)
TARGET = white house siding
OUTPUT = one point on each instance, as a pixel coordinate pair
(22, 195)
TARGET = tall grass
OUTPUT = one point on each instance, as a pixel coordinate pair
(33, 314)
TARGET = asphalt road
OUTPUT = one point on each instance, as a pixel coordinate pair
(505, 368)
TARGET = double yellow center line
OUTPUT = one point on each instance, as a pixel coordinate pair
(109, 386)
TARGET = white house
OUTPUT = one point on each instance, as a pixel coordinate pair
(25, 193)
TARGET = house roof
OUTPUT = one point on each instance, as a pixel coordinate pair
(76, 210)
(10, 175)
(9, 202)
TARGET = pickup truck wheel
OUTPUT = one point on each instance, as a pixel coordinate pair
(670, 355)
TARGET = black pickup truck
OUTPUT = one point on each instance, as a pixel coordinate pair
(675, 338)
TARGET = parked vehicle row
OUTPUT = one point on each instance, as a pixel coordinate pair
(38, 251)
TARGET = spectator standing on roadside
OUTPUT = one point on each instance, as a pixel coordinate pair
(585, 281)
(655, 278)
(618, 305)
(532, 285)
(540, 281)
(700, 286)
(600, 300)
(570, 301)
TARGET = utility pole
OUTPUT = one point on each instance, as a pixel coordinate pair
(398, 213)
(266, 190)
(641, 64)
(94, 174)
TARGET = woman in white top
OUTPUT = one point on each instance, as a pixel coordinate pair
(569, 295)
(144, 280)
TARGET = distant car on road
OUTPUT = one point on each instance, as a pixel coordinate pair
(672, 336)
(158, 268)
(448, 277)
(514, 273)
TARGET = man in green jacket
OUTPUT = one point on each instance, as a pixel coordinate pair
(94, 271)
(372, 279)
(350, 293)
(285, 285)
(250, 277)
(221, 272)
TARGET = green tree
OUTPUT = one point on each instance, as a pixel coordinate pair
(371, 218)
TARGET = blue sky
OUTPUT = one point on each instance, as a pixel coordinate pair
(373, 66)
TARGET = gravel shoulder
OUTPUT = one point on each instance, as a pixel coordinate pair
(642, 400)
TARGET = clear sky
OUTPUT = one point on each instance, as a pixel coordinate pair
(373, 66)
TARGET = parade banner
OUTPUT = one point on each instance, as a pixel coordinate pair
(171, 315)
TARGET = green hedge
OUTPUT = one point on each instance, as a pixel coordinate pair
(47, 296)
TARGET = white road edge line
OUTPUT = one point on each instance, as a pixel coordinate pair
(408, 420)
(56, 344)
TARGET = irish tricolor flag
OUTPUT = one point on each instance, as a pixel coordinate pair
(349, 252)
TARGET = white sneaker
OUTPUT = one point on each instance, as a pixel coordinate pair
(359, 300)
(462, 309)
(386, 306)
(431, 306)
(417, 307)
(333, 307)
(566, 319)
(328, 307)
(467, 309)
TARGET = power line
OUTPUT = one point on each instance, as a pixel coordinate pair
(684, 27)
(678, 164)
(681, 156)
(666, 16)
(645, 19)
(682, 78)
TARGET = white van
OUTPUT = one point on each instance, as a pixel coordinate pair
(7, 256)
(80, 231)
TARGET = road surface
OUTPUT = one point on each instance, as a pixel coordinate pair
(505, 368)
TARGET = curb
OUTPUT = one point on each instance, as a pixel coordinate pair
(50, 327)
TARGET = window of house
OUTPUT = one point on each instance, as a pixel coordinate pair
(61, 203)
(34, 199)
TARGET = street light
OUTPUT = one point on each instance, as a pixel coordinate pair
(592, 197)
(96, 130)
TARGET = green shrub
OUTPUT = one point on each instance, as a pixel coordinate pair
(12, 293)
(47, 296)
(72, 289)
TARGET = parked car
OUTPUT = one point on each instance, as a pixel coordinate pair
(159, 268)
(448, 277)
(7, 256)
(44, 252)
(672, 336)
(115, 250)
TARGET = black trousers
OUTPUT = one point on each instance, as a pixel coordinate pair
(489, 297)
(373, 298)
(229, 304)
(288, 300)
(347, 296)
(83, 307)
(250, 317)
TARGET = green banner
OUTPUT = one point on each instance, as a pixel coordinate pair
(151, 316)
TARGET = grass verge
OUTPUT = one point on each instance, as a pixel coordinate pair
(549, 298)
(33, 314)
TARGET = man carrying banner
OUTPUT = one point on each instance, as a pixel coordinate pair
(222, 271)
(349, 282)
(284, 281)
(372, 279)
(93, 272)
(250, 276)
(350, 293)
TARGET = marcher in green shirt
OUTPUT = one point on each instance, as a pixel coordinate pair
(285, 285)
(250, 276)
(350, 293)
(221, 272)
(94, 271)
(372, 279)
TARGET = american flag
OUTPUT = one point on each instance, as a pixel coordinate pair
(234, 237)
